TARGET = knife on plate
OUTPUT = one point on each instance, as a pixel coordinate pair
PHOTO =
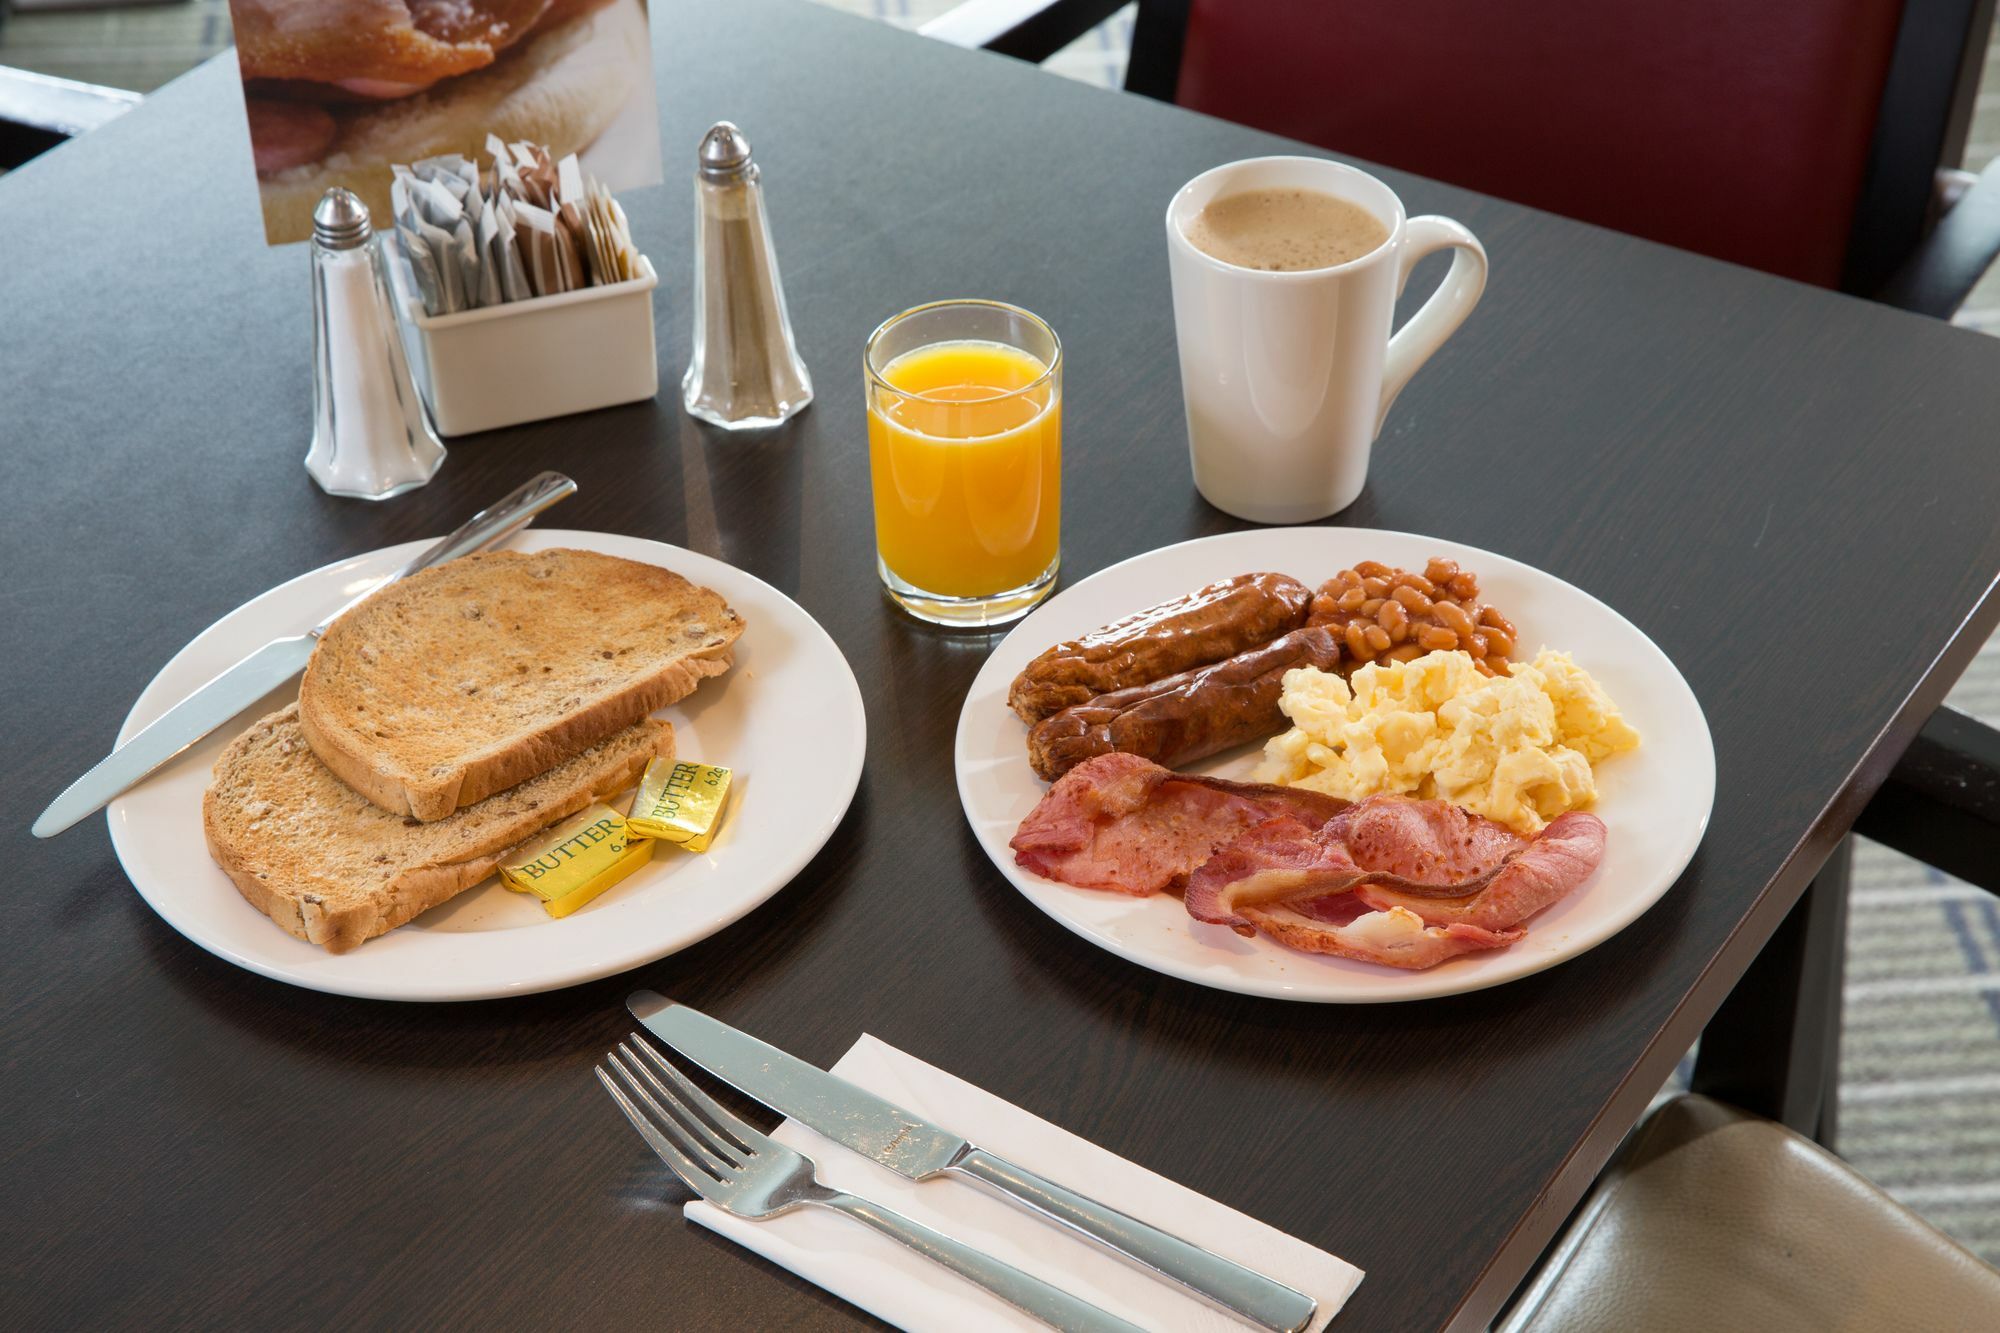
(273, 664)
(913, 1147)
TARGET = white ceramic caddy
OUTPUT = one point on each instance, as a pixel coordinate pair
(528, 360)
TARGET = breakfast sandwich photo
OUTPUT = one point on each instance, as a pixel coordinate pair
(338, 90)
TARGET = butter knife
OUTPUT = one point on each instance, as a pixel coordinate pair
(915, 1148)
(272, 665)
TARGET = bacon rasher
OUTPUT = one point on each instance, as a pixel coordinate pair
(1389, 880)
(1297, 885)
(1122, 823)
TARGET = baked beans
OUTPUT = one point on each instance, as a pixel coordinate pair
(1384, 614)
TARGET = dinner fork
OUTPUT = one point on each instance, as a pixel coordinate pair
(721, 1157)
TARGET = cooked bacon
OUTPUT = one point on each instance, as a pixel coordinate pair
(1468, 881)
(1389, 880)
(1397, 937)
(1125, 824)
(1560, 858)
(1298, 886)
(1428, 842)
(1280, 860)
(1416, 849)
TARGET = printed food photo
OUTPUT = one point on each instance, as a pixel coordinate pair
(337, 90)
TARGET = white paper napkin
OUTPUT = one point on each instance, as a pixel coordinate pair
(895, 1284)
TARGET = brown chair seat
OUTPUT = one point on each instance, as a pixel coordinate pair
(1716, 1219)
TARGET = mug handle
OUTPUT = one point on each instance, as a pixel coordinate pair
(1440, 316)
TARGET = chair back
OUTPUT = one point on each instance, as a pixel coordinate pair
(1738, 128)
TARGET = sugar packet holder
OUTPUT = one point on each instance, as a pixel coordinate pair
(519, 293)
(525, 359)
(527, 227)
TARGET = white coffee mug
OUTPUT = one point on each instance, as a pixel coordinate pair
(1287, 376)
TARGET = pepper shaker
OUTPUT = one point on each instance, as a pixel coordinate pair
(745, 372)
(371, 439)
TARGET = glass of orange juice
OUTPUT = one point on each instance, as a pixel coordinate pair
(965, 452)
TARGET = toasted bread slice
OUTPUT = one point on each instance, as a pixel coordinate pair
(470, 678)
(333, 869)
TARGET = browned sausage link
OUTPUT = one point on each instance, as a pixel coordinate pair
(1185, 717)
(1207, 625)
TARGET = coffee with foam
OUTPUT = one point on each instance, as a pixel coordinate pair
(1285, 230)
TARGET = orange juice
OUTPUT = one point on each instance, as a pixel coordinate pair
(966, 459)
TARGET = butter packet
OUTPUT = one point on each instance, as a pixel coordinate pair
(680, 803)
(576, 860)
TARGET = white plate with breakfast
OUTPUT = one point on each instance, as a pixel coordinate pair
(1340, 765)
(437, 809)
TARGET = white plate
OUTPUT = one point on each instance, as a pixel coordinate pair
(786, 719)
(1655, 800)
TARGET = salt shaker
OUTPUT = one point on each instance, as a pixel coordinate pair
(745, 372)
(371, 439)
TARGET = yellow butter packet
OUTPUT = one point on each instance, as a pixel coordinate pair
(680, 802)
(576, 860)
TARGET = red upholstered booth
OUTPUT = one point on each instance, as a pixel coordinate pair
(1738, 128)
(1819, 139)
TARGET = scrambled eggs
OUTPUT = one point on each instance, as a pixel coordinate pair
(1516, 748)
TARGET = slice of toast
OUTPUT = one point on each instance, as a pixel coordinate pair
(469, 678)
(333, 869)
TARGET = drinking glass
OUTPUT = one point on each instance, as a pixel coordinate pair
(965, 454)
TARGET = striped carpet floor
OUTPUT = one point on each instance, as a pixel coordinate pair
(1920, 1057)
(1920, 1050)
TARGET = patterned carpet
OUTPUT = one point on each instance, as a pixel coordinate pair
(1920, 1053)
(1920, 1059)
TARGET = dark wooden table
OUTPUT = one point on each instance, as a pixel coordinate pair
(1793, 492)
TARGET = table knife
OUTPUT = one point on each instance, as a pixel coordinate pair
(272, 665)
(914, 1147)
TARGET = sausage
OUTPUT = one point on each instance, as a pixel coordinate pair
(1187, 716)
(1204, 626)
(284, 135)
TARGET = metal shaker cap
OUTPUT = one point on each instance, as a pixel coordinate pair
(724, 154)
(341, 220)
